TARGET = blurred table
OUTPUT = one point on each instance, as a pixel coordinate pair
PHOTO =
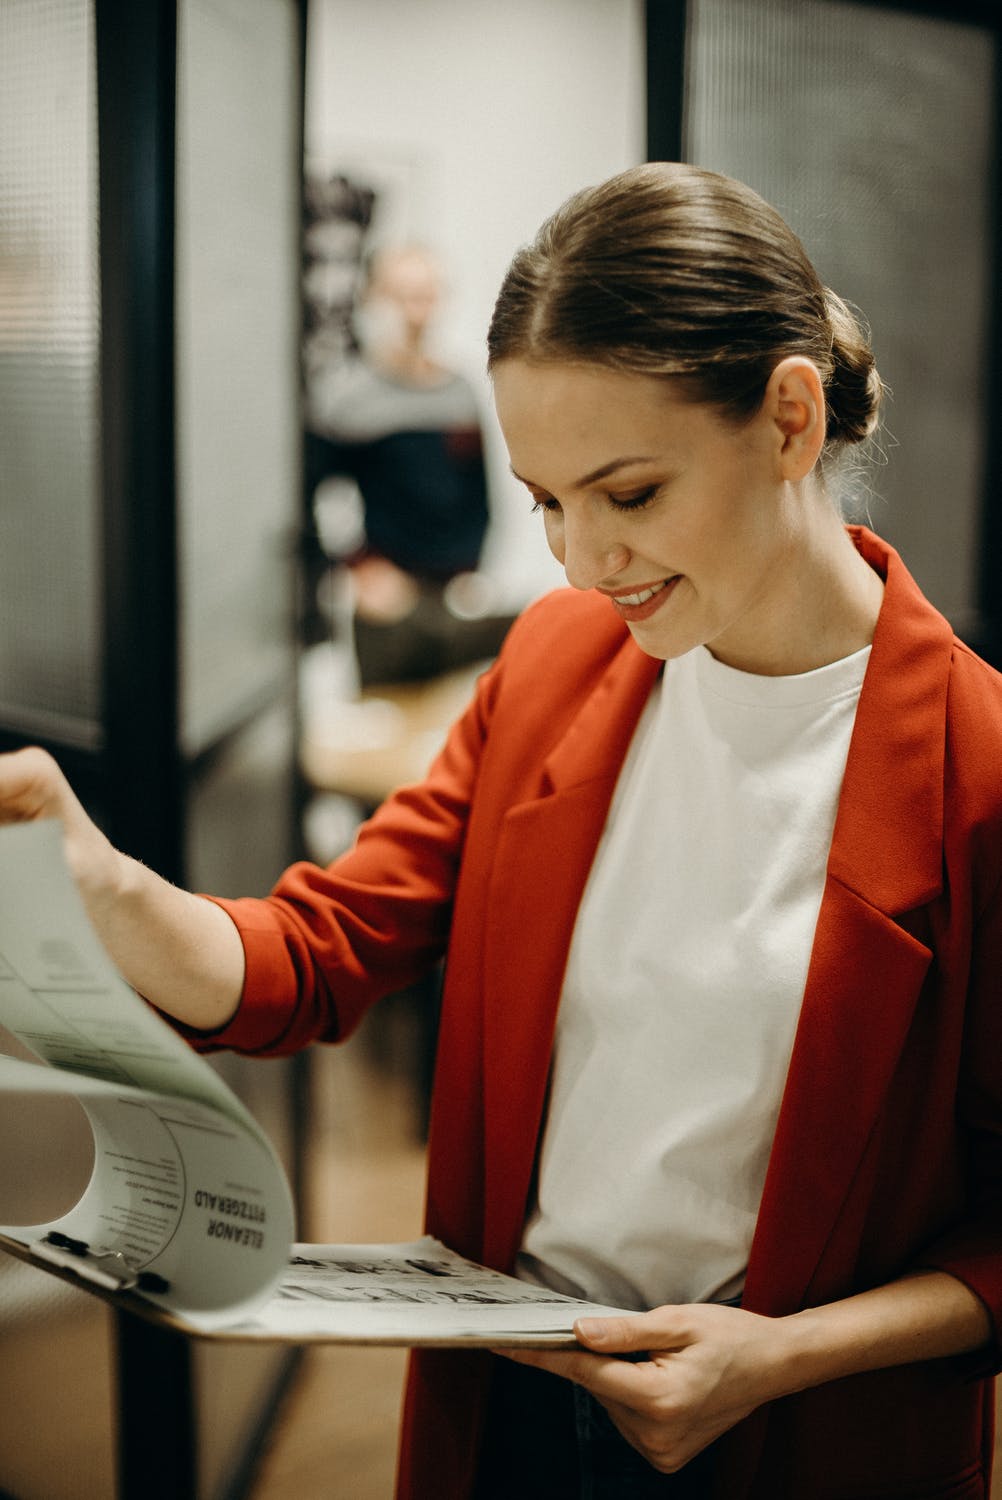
(385, 738)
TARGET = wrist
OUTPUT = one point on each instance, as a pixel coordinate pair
(805, 1354)
(103, 875)
(929, 1315)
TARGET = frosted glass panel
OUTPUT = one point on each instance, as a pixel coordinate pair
(49, 328)
(239, 168)
(870, 130)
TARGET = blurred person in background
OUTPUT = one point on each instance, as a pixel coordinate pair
(407, 430)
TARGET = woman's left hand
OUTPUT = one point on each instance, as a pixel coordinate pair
(707, 1367)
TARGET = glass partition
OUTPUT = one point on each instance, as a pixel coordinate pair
(871, 130)
(49, 331)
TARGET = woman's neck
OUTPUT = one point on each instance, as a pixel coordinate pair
(837, 595)
(826, 604)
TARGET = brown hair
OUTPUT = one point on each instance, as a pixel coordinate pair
(667, 269)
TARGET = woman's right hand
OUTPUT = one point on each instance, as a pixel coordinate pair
(32, 786)
(183, 953)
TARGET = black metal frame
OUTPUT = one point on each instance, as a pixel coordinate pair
(138, 785)
(136, 79)
(666, 29)
(136, 88)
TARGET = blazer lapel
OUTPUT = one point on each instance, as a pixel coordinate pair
(866, 970)
(544, 853)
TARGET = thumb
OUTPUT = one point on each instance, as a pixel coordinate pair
(624, 1334)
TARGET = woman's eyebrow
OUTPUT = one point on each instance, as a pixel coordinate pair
(602, 472)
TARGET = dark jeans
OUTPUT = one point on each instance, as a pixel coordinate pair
(546, 1439)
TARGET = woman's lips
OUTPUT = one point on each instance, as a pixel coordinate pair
(640, 603)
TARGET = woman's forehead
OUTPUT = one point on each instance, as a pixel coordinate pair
(603, 414)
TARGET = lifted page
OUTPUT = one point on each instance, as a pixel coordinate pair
(187, 1216)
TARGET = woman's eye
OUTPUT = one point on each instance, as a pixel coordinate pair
(618, 502)
(634, 502)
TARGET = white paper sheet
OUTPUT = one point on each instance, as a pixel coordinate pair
(185, 1187)
(187, 1205)
(416, 1293)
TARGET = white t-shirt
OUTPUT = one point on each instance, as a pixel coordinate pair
(684, 984)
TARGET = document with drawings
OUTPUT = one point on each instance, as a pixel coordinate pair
(187, 1216)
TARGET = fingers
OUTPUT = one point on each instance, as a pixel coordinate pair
(668, 1442)
(31, 785)
(665, 1329)
(646, 1411)
(570, 1364)
(700, 1372)
(609, 1379)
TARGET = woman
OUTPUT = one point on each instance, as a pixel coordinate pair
(714, 855)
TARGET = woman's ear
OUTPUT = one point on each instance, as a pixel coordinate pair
(795, 403)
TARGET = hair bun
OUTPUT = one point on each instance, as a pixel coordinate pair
(854, 389)
(672, 271)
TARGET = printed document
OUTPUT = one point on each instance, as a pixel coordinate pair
(188, 1213)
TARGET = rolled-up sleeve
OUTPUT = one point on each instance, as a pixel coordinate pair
(326, 943)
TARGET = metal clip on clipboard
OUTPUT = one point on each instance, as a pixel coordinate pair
(109, 1269)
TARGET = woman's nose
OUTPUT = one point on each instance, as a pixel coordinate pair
(591, 557)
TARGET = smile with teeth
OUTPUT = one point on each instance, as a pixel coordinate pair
(643, 596)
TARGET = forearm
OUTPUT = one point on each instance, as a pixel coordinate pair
(930, 1315)
(181, 952)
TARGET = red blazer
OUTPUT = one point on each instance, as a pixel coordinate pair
(888, 1150)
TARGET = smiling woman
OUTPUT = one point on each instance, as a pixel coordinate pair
(714, 858)
(703, 528)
